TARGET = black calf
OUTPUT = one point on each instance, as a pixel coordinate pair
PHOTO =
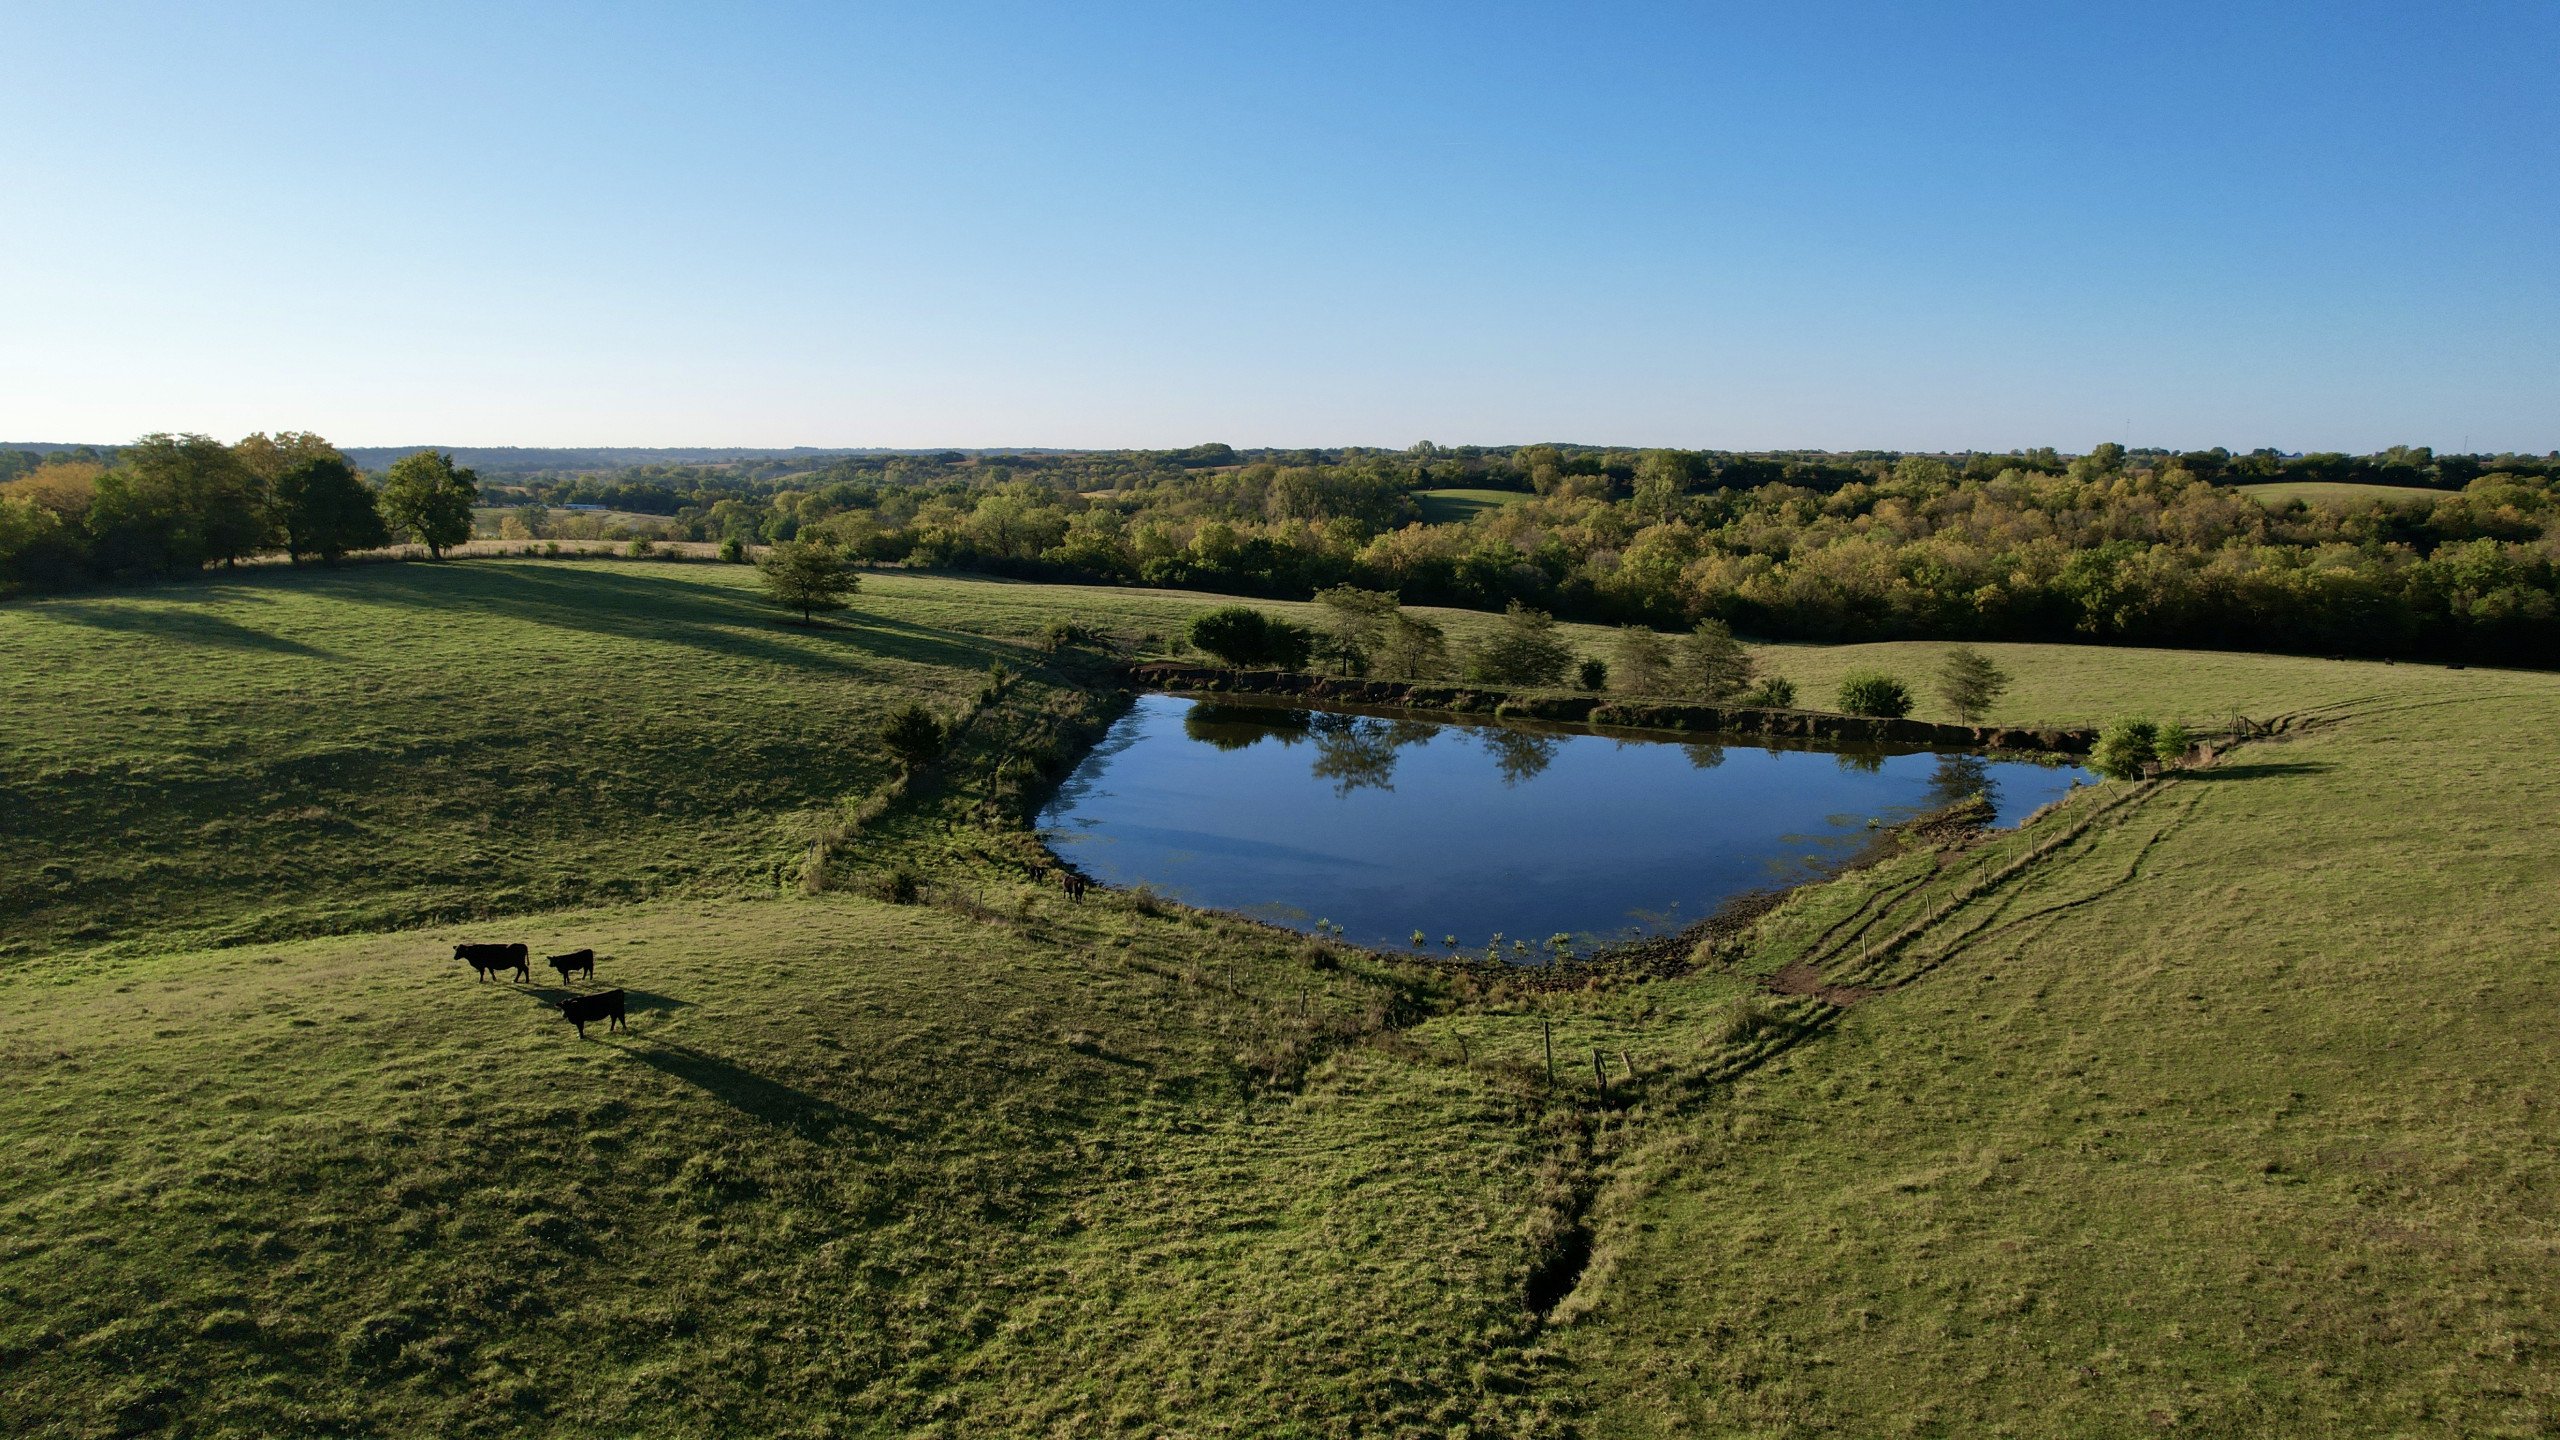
(603, 1005)
(574, 963)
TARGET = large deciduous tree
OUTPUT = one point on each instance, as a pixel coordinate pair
(325, 509)
(176, 503)
(429, 499)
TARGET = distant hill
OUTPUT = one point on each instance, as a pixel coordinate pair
(497, 460)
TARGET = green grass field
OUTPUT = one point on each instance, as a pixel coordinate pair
(1454, 507)
(2340, 495)
(2213, 1106)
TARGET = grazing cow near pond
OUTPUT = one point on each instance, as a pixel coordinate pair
(603, 1005)
(488, 960)
(574, 962)
(1074, 884)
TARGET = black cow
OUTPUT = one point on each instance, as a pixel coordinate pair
(603, 1005)
(1074, 884)
(575, 962)
(488, 960)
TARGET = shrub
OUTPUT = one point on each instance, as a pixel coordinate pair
(1776, 692)
(733, 551)
(2171, 743)
(2125, 749)
(1746, 1020)
(1592, 674)
(640, 548)
(1245, 638)
(914, 736)
(1872, 692)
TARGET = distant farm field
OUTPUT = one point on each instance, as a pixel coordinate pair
(2214, 1105)
(2339, 495)
(1451, 507)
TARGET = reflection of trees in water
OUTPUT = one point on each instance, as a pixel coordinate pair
(1354, 751)
(1519, 754)
(1705, 755)
(1860, 762)
(1239, 727)
(1960, 775)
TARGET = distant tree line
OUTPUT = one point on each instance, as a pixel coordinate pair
(2123, 546)
(170, 505)
(2117, 545)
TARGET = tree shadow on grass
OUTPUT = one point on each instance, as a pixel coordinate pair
(177, 619)
(589, 597)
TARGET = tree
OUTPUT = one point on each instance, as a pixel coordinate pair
(1872, 692)
(1644, 662)
(324, 508)
(914, 736)
(429, 500)
(1413, 648)
(1969, 682)
(1245, 638)
(807, 576)
(177, 503)
(1523, 650)
(1355, 623)
(1712, 664)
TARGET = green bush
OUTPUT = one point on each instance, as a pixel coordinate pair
(1592, 674)
(1245, 638)
(914, 736)
(2126, 748)
(1776, 692)
(733, 551)
(1872, 692)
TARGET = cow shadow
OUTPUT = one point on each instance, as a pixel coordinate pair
(748, 1093)
(634, 1002)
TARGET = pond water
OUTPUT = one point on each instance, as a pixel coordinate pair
(1385, 825)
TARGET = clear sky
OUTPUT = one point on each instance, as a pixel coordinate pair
(1921, 226)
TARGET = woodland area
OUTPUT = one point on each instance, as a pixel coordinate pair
(2452, 557)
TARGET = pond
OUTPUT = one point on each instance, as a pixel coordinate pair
(1386, 824)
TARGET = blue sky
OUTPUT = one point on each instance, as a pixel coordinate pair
(1916, 226)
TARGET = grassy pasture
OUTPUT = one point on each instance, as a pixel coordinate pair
(854, 1169)
(2340, 495)
(1455, 507)
(2232, 1119)
(2214, 1107)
